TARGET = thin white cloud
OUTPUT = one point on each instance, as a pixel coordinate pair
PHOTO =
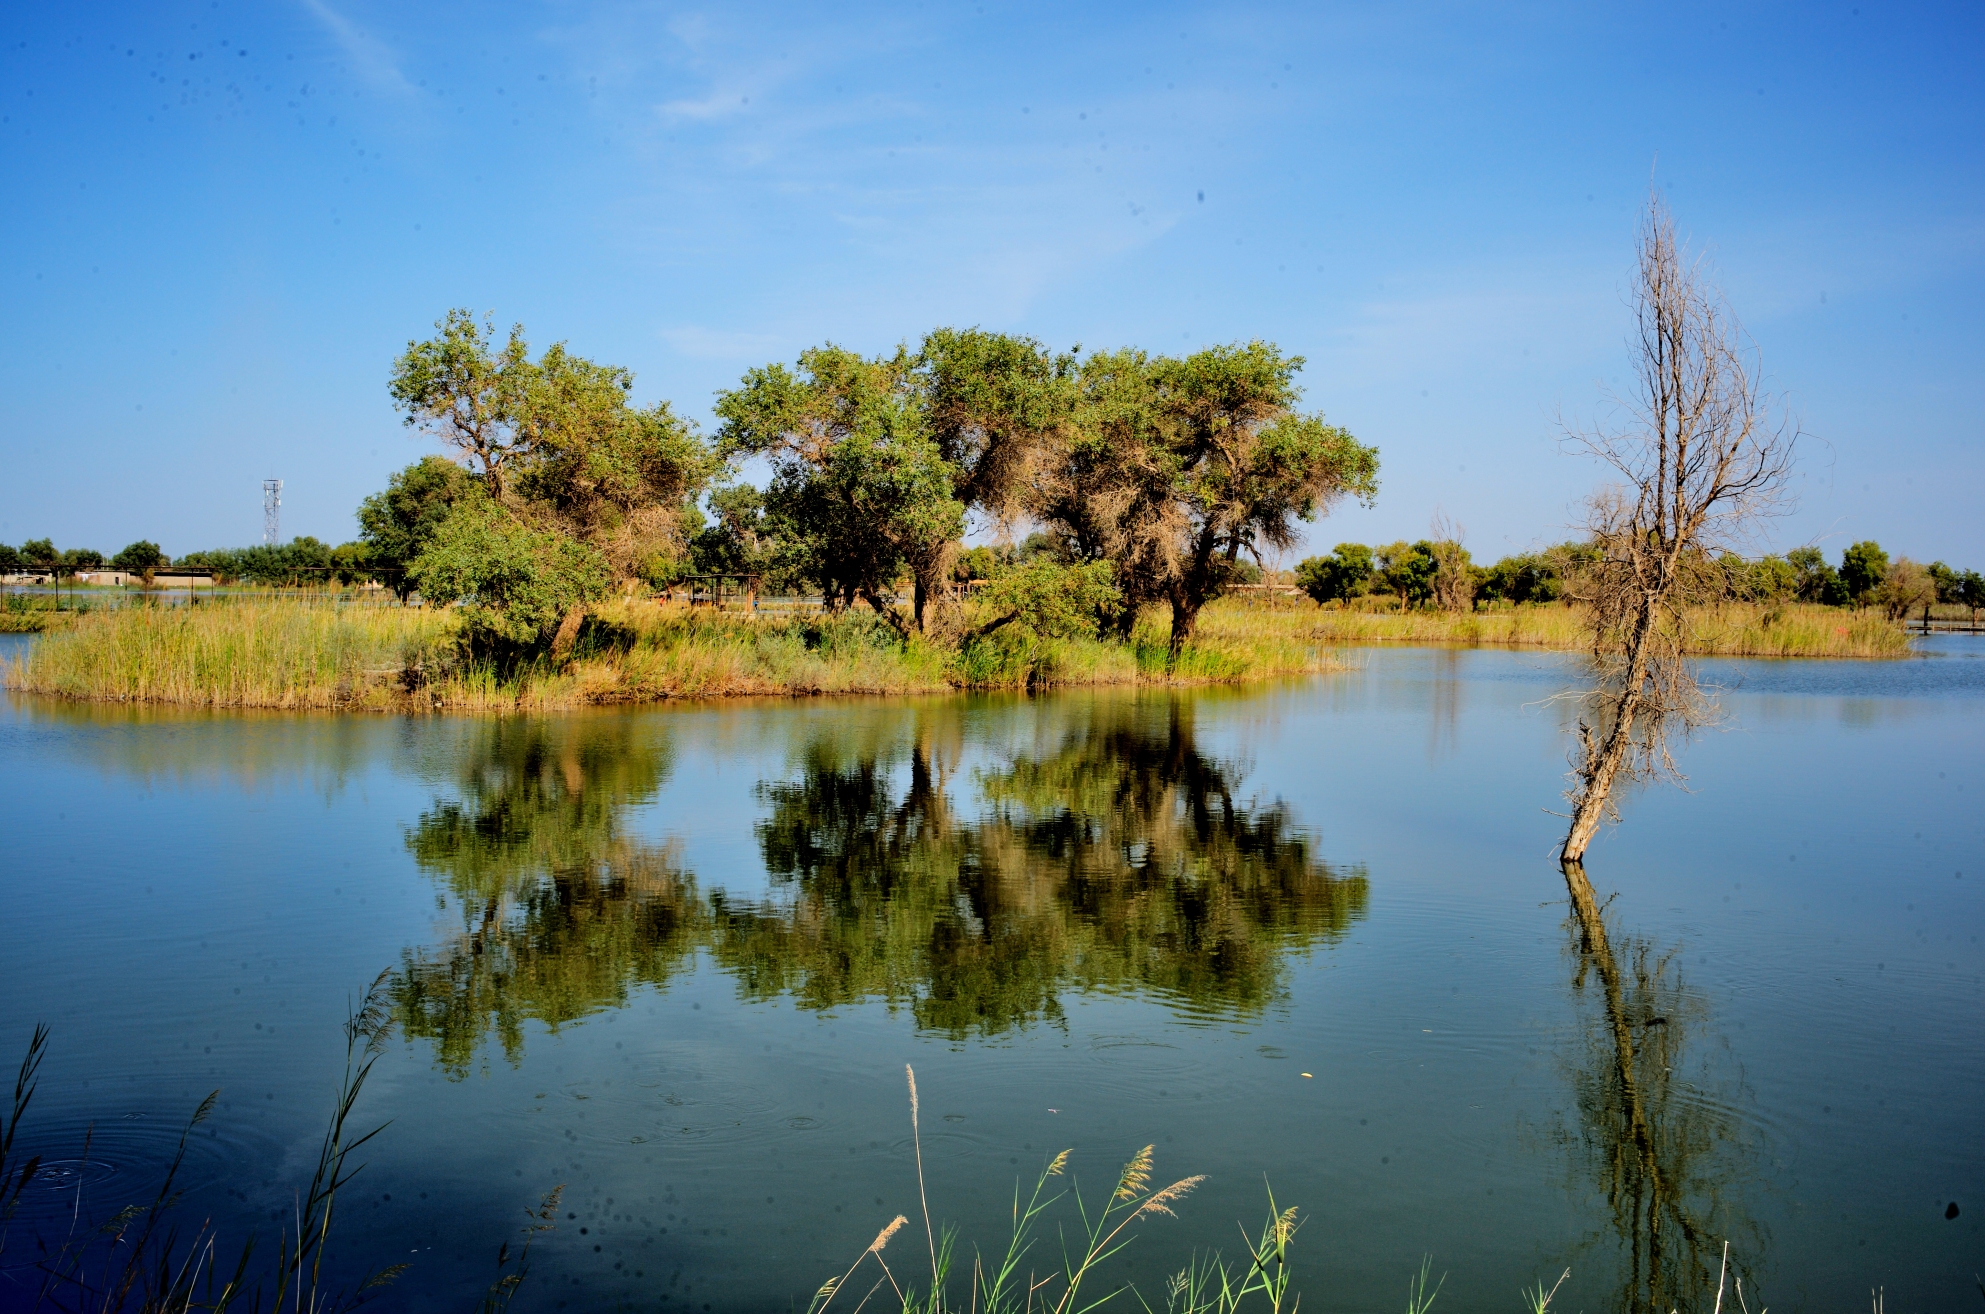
(373, 58)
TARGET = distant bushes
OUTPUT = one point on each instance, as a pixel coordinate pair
(1437, 574)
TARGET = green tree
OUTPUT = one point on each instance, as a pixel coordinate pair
(1051, 599)
(1903, 589)
(1862, 569)
(142, 555)
(1946, 581)
(1407, 571)
(467, 388)
(10, 559)
(1768, 579)
(739, 538)
(1971, 592)
(396, 524)
(562, 452)
(39, 552)
(1523, 577)
(1817, 581)
(1243, 466)
(860, 491)
(1175, 468)
(75, 559)
(620, 477)
(1346, 573)
(526, 583)
(351, 563)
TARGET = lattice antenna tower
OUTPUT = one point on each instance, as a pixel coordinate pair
(272, 512)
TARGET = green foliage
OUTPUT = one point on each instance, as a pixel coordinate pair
(1346, 573)
(860, 491)
(352, 563)
(991, 402)
(557, 435)
(1970, 591)
(10, 559)
(142, 555)
(396, 524)
(1407, 570)
(739, 539)
(467, 388)
(1053, 600)
(1768, 579)
(1176, 468)
(38, 552)
(1862, 569)
(303, 560)
(75, 559)
(1523, 577)
(1817, 581)
(618, 476)
(978, 563)
(522, 581)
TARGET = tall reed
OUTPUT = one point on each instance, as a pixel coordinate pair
(1008, 1284)
(139, 1261)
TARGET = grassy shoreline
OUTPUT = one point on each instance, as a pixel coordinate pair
(310, 655)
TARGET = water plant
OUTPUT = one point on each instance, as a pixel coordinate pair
(1009, 1282)
(141, 1260)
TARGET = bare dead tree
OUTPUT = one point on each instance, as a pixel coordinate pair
(1705, 453)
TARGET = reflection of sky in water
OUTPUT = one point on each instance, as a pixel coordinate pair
(192, 899)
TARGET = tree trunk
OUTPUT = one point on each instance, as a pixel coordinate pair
(1185, 616)
(568, 631)
(1601, 768)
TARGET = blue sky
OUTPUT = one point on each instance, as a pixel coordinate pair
(223, 220)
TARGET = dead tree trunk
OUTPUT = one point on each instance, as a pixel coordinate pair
(1707, 454)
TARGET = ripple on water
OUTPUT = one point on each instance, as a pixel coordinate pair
(89, 1171)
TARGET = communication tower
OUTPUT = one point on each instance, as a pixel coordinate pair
(272, 512)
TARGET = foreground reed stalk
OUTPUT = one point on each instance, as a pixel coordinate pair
(1008, 1285)
(139, 1261)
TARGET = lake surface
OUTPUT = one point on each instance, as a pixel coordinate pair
(1306, 933)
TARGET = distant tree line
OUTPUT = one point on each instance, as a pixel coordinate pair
(1439, 574)
(41, 554)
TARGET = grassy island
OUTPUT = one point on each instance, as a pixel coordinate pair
(281, 653)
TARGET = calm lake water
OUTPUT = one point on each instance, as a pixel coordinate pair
(1308, 933)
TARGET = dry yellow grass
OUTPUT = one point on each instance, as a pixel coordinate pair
(1732, 630)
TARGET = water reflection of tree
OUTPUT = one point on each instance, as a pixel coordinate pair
(1669, 1156)
(561, 912)
(1118, 858)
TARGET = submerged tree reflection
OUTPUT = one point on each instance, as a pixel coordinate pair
(1667, 1154)
(1116, 857)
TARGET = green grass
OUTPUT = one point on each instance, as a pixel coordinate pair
(303, 653)
(235, 654)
